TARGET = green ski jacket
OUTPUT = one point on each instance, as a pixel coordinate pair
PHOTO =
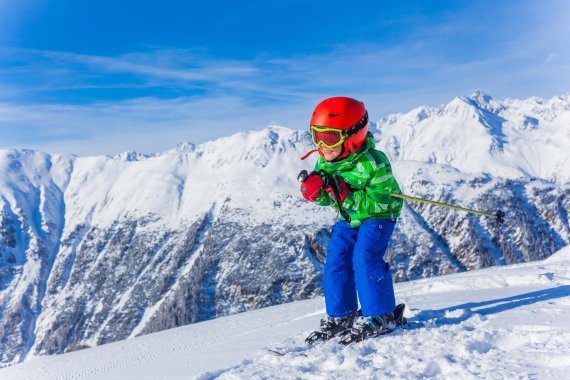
(368, 174)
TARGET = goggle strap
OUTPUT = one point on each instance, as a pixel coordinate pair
(356, 127)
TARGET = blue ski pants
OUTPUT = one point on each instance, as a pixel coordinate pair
(355, 264)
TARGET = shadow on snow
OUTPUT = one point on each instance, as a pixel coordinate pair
(441, 316)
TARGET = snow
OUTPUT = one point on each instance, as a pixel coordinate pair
(502, 322)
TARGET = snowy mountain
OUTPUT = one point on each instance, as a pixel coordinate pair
(99, 249)
(510, 138)
(505, 322)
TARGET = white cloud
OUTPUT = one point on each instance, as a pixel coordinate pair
(146, 125)
(159, 64)
(550, 59)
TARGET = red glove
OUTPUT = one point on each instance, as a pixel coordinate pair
(341, 187)
(312, 186)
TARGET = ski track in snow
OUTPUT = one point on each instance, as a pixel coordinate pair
(505, 322)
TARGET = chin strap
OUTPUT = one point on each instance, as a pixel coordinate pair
(311, 152)
(343, 154)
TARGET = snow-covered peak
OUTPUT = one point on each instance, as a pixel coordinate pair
(186, 147)
(460, 108)
(485, 101)
(183, 147)
(510, 138)
(24, 169)
(548, 110)
(410, 118)
(131, 156)
(257, 148)
(481, 96)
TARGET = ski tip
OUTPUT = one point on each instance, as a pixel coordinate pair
(281, 353)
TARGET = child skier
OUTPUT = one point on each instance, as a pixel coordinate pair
(357, 179)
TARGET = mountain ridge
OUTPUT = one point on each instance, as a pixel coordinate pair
(510, 138)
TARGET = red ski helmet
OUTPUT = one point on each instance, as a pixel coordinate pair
(347, 115)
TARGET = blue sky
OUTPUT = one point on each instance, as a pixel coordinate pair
(109, 76)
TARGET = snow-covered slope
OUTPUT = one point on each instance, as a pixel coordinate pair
(99, 249)
(502, 322)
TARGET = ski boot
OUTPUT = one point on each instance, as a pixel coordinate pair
(366, 327)
(330, 327)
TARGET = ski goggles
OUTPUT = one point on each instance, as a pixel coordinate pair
(327, 137)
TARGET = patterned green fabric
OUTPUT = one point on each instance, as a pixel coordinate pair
(368, 175)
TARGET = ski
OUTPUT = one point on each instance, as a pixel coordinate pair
(390, 323)
(278, 352)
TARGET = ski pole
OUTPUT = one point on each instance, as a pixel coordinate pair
(330, 182)
(500, 215)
